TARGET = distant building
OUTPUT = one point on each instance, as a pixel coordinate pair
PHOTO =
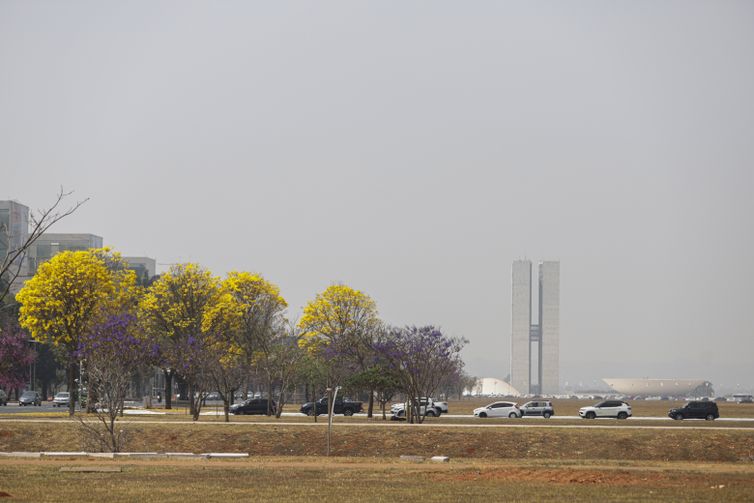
(661, 387)
(50, 244)
(535, 347)
(144, 267)
(491, 386)
(14, 231)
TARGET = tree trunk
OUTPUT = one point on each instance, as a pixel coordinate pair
(91, 398)
(281, 400)
(269, 396)
(168, 388)
(371, 403)
(192, 400)
(226, 409)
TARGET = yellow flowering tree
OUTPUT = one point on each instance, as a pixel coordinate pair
(69, 295)
(172, 312)
(340, 325)
(248, 310)
(248, 316)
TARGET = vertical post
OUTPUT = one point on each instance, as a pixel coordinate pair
(329, 417)
(81, 386)
(330, 408)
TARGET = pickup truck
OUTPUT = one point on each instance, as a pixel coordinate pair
(427, 407)
(346, 407)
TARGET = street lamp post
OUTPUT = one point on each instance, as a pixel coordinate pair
(331, 406)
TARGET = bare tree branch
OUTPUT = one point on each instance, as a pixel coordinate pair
(40, 221)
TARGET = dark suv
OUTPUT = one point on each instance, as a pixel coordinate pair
(696, 410)
(254, 406)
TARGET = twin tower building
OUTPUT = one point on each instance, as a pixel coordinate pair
(535, 330)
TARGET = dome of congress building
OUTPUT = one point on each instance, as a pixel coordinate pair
(661, 387)
(491, 386)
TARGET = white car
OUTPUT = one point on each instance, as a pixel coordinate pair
(427, 408)
(607, 408)
(443, 406)
(499, 409)
(62, 399)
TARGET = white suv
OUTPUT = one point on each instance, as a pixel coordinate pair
(427, 408)
(608, 408)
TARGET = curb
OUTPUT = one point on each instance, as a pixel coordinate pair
(126, 455)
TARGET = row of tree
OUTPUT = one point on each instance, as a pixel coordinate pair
(211, 333)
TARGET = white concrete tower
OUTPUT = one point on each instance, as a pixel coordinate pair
(549, 327)
(520, 326)
(535, 347)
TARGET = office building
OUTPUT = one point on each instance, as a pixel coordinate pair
(50, 244)
(535, 346)
(14, 231)
(144, 267)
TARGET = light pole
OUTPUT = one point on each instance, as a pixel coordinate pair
(330, 407)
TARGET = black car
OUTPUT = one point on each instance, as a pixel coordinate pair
(696, 410)
(254, 406)
(340, 406)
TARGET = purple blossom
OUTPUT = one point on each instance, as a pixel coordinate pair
(15, 357)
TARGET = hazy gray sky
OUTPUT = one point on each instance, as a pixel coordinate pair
(413, 150)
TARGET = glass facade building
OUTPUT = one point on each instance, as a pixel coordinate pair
(50, 244)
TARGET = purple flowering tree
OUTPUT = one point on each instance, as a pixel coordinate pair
(191, 359)
(112, 352)
(419, 358)
(15, 357)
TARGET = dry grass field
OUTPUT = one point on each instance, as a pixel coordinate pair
(394, 439)
(299, 479)
(682, 463)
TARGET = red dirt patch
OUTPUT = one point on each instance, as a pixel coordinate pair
(560, 476)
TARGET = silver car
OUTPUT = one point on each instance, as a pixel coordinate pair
(30, 398)
(541, 408)
(62, 399)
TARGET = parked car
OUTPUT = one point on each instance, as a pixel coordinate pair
(607, 408)
(346, 407)
(443, 406)
(538, 408)
(240, 395)
(212, 396)
(254, 406)
(696, 410)
(61, 399)
(499, 409)
(3, 398)
(30, 398)
(427, 408)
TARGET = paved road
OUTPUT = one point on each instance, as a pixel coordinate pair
(13, 408)
(605, 425)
